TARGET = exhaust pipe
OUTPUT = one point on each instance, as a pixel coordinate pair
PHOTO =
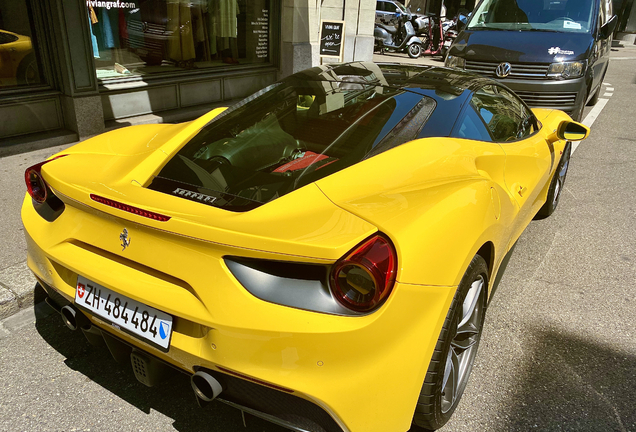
(73, 318)
(205, 387)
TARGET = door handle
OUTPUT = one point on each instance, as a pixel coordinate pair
(521, 190)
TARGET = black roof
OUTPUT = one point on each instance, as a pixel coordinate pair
(450, 88)
(420, 78)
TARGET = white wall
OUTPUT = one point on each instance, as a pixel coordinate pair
(301, 27)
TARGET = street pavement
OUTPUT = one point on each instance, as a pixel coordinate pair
(558, 351)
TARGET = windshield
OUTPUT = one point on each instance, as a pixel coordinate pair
(536, 15)
(289, 135)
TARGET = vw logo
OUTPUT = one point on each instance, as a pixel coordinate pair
(503, 70)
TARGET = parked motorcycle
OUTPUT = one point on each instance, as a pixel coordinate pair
(420, 23)
(400, 38)
(452, 31)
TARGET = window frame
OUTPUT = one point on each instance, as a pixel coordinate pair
(537, 123)
(463, 114)
(41, 40)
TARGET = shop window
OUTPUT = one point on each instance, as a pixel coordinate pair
(143, 37)
(18, 49)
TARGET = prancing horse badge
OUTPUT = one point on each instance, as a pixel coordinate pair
(125, 240)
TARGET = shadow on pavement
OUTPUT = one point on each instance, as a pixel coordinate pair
(173, 398)
(571, 384)
(575, 384)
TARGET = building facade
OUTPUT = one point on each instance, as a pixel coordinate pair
(70, 69)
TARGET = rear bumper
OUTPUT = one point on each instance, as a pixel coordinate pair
(364, 372)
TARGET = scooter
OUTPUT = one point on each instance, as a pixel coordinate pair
(400, 38)
(433, 37)
(452, 31)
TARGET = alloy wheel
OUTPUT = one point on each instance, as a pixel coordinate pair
(463, 347)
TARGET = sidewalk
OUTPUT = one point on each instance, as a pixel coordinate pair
(16, 281)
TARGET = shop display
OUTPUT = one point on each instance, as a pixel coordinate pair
(154, 36)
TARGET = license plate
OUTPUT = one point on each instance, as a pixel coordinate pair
(149, 324)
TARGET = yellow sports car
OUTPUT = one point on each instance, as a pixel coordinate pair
(319, 254)
(18, 65)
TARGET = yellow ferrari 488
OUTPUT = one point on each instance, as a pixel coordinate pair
(320, 254)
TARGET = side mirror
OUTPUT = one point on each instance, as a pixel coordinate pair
(462, 21)
(569, 131)
(608, 28)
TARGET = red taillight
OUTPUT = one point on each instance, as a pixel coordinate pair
(36, 186)
(363, 279)
(130, 209)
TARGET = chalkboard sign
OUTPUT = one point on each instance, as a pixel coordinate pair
(332, 39)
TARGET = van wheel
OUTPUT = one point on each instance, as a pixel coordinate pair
(556, 185)
(594, 99)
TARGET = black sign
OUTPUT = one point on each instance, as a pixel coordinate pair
(331, 38)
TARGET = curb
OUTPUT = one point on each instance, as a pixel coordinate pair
(17, 290)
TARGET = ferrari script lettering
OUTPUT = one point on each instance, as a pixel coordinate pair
(190, 194)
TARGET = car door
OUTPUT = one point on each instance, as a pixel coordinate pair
(529, 157)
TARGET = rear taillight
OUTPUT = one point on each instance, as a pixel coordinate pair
(36, 186)
(363, 280)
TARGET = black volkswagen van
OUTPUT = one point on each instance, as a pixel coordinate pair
(552, 53)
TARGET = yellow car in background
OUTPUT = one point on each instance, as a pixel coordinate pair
(18, 65)
(320, 254)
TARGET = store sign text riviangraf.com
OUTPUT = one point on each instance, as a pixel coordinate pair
(111, 4)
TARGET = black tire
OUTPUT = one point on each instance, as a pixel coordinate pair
(438, 401)
(28, 72)
(415, 50)
(594, 99)
(556, 185)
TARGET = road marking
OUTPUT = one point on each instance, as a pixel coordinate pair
(610, 89)
(607, 84)
(591, 118)
(608, 94)
(623, 58)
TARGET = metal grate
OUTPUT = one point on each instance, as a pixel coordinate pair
(292, 410)
(547, 99)
(518, 70)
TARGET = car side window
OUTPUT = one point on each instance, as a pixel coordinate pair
(506, 117)
(471, 126)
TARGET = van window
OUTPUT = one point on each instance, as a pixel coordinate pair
(574, 16)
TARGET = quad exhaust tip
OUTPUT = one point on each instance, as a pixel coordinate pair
(205, 386)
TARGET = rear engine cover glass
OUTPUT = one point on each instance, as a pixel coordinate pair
(288, 135)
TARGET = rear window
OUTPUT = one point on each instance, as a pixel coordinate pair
(289, 135)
